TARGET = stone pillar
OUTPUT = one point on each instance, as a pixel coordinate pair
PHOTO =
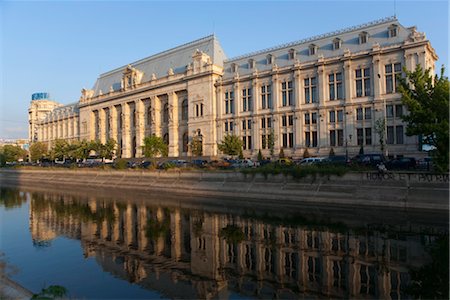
(175, 229)
(173, 125)
(126, 139)
(156, 116)
(275, 92)
(256, 139)
(321, 84)
(376, 79)
(142, 215)
(140, 127)
(102, 125)
(113, 123)
(92, 124)
(348, 83)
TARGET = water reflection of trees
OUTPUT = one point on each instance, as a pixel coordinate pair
(12, 198)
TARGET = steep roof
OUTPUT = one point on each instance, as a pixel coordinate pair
(176, 59)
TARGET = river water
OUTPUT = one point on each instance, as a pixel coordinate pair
(154, 246)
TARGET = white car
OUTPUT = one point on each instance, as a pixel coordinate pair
(311, 161)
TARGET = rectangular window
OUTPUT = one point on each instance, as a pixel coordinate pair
(399, 110)
(307, 120)
(340, 137)
(335, 86)
(291, 140)
(269, 122)
(229, 102)
(359, 114)
(360, 136)
(393, 71)
(266, 98)
(263, 141)
(283, 121)
(287, 93)
(249, 142)
(390, 135)
(244, 143)
(314, 139)
(332, 138)
(249, 124)
(307, 139)
(311, 90)
(314, 118)
(389, 111)
(368, 136)
(362, 82)
(367, 113)
(290, 120)
(226, 126)
(399, 134)
(285, 139)
(332, 116)
(244, 125)
(340, 115)
(263, 123)
(247, 104)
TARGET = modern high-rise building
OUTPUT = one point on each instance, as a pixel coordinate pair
(323, 92)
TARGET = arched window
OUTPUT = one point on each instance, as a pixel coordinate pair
(166, 113)
(185, 142)
(166, 138)
(184, 110)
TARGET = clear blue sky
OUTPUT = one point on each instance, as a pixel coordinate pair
(61, 47)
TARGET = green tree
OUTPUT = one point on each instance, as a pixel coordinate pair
(380, 129)
(13, 153)
(60, 149)
(155, 146)
(197, 146)
(230, 145)
(361, 150)
(109, 148)
(260, 157)
(306, 153)
(38, 150)
(331, 152)
(426, 98)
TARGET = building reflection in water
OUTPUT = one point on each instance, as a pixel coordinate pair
(181, 253)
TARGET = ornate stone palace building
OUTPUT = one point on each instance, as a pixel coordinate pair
(322, 92)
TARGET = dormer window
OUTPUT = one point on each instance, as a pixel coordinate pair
(393, 30)
(291, 54)
(234, 68)
(312, 49)
(269, 59)
(251, 63)
(363, 37)
(337, 43)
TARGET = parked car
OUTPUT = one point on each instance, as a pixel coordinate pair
(199, 163)
(403, 163)
(310, 161)
(336, 160)
(371, 160)
(284, 161)
(425, 164)
(223, 164)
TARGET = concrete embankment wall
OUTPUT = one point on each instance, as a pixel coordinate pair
(400, 190)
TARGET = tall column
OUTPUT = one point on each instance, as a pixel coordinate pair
(173, 125)
(376, 79)
(139, 126)
(126, 139)
(93, 126)
(348, 81)
(113, 123)
(175, 229)
(277, 118)
(102, 125)
(142, 215)
(256, 140)
(156, 116)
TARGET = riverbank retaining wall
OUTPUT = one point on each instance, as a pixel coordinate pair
(400, 190)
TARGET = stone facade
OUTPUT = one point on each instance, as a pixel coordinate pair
(323, 92)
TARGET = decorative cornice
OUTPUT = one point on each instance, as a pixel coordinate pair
(313, 38)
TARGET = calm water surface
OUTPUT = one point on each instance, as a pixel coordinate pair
(150, 247)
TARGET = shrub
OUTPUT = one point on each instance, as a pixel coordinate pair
(120, 164)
